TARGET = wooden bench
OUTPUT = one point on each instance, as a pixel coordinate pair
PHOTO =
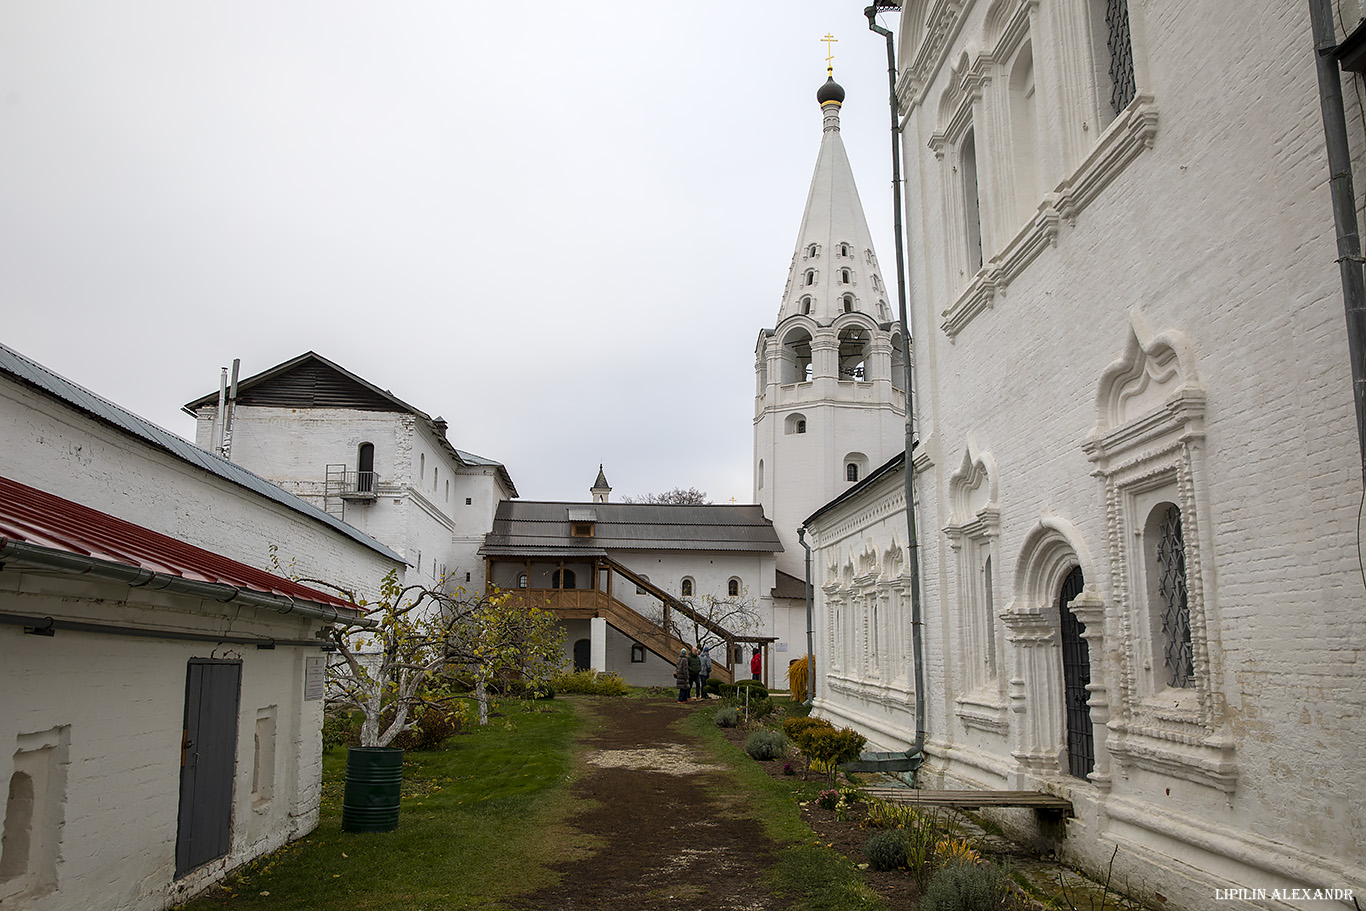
(972, 800)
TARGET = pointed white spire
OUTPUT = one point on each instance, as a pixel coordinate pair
(834, 267)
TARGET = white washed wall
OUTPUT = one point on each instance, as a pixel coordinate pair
(1215, 241)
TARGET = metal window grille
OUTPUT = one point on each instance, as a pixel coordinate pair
(1121, 54)
(1176, 617)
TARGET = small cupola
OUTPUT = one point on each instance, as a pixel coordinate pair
(600, 488)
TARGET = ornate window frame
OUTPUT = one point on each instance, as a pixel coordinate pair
(973, 539)
(1148, 448)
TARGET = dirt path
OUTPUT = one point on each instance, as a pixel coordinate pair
(669, 837)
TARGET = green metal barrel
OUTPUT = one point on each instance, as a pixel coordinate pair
(374, 776)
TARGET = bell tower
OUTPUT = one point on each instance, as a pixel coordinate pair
(829, 404)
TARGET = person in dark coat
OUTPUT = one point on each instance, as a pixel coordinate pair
(695, 670)
(681, 675)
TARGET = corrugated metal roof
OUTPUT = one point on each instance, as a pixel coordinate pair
(100, 408)
(40, 518)
(537, 526)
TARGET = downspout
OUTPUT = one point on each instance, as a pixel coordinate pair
(810, 624)
(916, 753)
(1344, 206)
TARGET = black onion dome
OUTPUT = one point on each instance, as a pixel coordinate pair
(831, 91)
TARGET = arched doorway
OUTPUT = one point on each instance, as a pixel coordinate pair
(1076, 674)
(569, 579)
(583, 650)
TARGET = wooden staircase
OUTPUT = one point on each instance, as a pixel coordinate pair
(582, 604)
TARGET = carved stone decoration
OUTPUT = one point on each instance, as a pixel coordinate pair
(1148, 446)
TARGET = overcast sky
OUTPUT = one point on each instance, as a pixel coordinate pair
(561, 226)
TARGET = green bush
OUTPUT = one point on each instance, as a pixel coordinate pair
(886, 850)
(760, 708)
(432, 726)
(341, 729)
(727, 718)
(765, 744)
(797, 728)
(714, 686)
(829, 747)
(756, 690)
(590, 683)
(977, 887)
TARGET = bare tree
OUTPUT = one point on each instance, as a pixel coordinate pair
(676, 497)
(736, 614)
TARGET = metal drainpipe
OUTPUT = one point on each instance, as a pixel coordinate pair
(1344, 206)
(913, 546)
(810, 624)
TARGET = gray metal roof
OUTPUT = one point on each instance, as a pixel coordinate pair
(35, 375)
(537, 527)
(437, 426)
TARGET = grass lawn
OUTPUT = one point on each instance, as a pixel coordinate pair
(477, 821)
(482, 819)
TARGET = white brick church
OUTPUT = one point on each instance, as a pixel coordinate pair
(1137, 476)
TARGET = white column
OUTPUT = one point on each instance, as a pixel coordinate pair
(597, 644)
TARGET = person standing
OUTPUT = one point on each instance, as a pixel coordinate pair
(756, 665)
(682, 676)
(694, 668)
(706, 673)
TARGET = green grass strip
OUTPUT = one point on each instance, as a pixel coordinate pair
(477, 824)
(807, 874)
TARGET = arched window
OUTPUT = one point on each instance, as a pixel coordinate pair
(810, 250)
(796, 357)
(853, 353)
(851, 472)
(848, 303)
(972, 208)
(801, 426)
(795, 423)
(761, 474)
(521, 580)
(810, 276)
(846, 277)
(1171, 618)
(421, 465)
(806, 305)
(733, 588)
(844, 249)
(568, 578)
(686, 588)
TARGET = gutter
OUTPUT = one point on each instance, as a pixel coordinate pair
(38, 557)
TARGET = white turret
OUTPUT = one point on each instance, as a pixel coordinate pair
(828, 401)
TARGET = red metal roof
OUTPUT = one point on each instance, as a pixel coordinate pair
(39, 518)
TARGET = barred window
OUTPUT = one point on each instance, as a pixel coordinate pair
(1177, 655)
(1121, 50)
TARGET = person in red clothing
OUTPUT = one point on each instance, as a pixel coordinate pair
(756, 665)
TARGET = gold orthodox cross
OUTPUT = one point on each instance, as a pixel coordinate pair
(829, 39)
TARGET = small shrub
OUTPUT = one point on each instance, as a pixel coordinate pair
(760, 708)
(727, 718)
(976, 887)
(756, 690)
(432, 726)
(765, 744)
(590, 683)
(955, 852)
(886, 850)
(788, 770)
(828, 799)
(714, 686)
(341, 729)
(796, 728)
